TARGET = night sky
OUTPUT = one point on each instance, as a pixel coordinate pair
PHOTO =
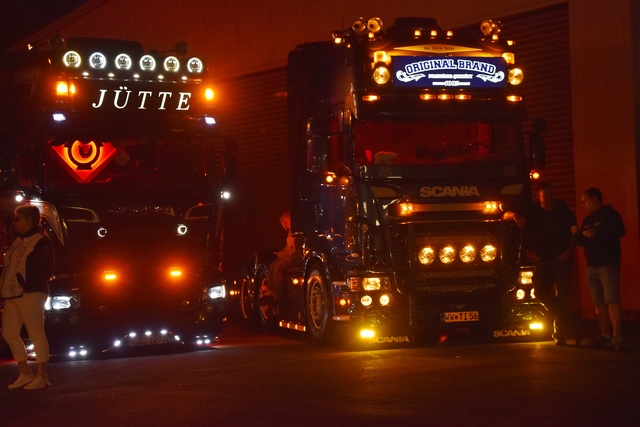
(19, 18)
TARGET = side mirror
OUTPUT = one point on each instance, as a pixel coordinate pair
(537, 146)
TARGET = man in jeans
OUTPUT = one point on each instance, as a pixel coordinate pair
(600, 235)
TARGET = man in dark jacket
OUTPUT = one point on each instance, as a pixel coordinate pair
(549, 226)
(600, 235)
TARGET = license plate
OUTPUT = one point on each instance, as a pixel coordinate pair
(139, 340)
(461, 316)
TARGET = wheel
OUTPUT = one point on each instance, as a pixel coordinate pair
(318, 298)
(266, 313)
(248, 301)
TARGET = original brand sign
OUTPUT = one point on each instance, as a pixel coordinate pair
(440, 72)
(450, 191)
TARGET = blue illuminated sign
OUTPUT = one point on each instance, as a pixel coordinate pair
(443, 72)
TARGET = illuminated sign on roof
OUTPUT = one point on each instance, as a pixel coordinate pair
(447, 72)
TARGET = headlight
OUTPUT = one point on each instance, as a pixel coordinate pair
(216, 292)
(58, 302)
(358, 284)
(526, 277)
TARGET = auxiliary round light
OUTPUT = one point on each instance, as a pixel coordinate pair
(447, 255)
(385, 299)
(123, 62)
(381, 75)
(147, 63)
(98, 61)
(195, 65)
(171, 64)
(467, 254)
(488, 253)
(515, 76)
(72, 59)
(426, 255)
(182, 229)
(366, 300)
(532, 293)
(520, 294)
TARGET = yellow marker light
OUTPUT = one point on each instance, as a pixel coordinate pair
(405, 209)
(209, 94)
(175, 272)
(514, 98)
(534, 174)
(370, 98)
(463, 96)
(381, 56)
(342, 302)
(509, 58)
(445, 96)
(434, 33)
(417, 33)
(427, 96)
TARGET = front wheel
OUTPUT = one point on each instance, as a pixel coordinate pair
(248, 301)
(318, 299)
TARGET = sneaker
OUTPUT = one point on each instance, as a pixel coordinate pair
(600, 341)
(617, 342)
(38, 382)
(23, 380)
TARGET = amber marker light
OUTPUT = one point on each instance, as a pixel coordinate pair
(370, 98)
(109, 276)
(491, 207)
(62, 89)
(209, 94)
(405, 209)
(175, 272)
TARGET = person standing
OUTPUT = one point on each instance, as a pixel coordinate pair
(600, 236)
(27, 266)
(549, 233)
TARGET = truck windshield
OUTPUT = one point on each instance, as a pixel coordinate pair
(418, 142)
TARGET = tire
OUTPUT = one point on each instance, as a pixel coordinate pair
(248, 301)
(266, 313)
(318, 306)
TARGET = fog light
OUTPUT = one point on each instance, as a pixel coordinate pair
(385, 299)
(367, 333)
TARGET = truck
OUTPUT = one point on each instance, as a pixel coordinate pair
(408, 162)
(119, 149)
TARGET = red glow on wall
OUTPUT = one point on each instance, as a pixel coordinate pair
(84, 161)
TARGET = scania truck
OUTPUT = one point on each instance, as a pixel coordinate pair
(408, 161)
(118, 147)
